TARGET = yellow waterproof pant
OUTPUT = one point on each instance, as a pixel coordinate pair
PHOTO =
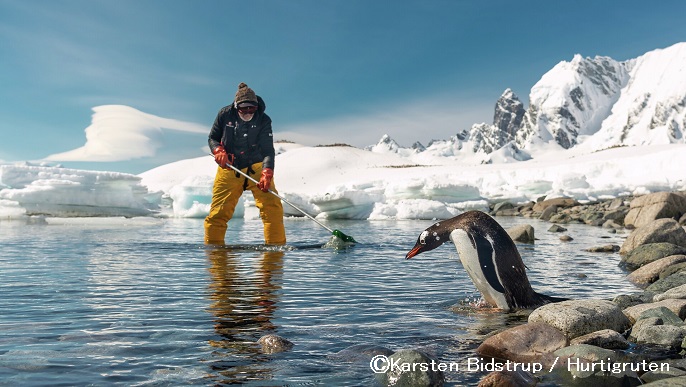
(226, 191)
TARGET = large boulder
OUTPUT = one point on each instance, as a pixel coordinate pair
(650, 273)
(666, 283)
(524, 343)
(580, 317)
(650, 252)
(523, 233)
(606, 338)
(645, 209)
(677, 293)
(676, 306)
(661, 230)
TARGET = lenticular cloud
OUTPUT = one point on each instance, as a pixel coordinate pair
(119, 133)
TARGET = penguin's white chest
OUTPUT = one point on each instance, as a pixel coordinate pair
(475, 267)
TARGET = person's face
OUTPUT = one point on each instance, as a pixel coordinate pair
(246, 111)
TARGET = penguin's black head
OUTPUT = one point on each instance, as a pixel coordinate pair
(430, 239)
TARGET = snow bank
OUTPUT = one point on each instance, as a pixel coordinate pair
(348, 183)
(40, 190)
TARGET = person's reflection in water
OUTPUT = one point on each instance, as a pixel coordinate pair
(243, 300)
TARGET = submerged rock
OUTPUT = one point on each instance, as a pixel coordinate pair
(407, 370)
(274, 344)
(524, 343)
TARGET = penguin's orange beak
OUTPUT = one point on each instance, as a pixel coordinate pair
(416, 250)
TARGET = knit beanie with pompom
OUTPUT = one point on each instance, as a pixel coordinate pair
(245, 94)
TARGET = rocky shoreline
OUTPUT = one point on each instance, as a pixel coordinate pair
(634, 339)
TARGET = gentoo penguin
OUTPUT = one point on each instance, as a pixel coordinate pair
(490, 257)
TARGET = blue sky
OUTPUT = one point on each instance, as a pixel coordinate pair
(330, 71)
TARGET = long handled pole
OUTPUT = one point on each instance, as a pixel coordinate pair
(280, 197)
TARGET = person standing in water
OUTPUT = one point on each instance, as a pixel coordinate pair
(242, 136)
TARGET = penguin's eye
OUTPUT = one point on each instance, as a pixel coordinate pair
(422, 237)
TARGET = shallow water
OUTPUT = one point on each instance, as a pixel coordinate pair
(143, 302)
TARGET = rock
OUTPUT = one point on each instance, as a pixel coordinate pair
(503, 206)
(524, 343)
(612, 225)
(682, 220)
(664, 284)
(676, 306)
(580, 317)
(651, 252)
(643, 324)
(556, 228)
(617, 216)
(548, 213)
(274, 344)
(558, 202)
(673, 372)
(661, 230)
(506, 378)
(408, 371)
(672, 269)
(523, 233)
(677, 293)
(671, 382)
(566, 238)
(604, 249)
(647, 274)
(663, 335)
(586, 353)
(648, 208)
(664, 314)
(626, 300)
(606, 338)
(561, 218)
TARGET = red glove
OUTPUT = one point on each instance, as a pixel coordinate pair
(222, 158)
(266, 179)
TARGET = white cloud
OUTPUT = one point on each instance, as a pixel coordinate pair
(119, 133)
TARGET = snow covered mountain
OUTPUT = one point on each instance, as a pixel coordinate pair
(587, 103)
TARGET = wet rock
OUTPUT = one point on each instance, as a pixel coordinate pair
(676, 306)
(664, 314)
(502, 206)
(661, 230)
(642, 324)
(616, 216)
(612, 225)
(669, 336)
(650, 252)
(671, 382)
(672, 270)
(561, 218)
(556, 228)
(523, 233)
(409, 372)
(648, 208)
(558, 202)
(548, 213)
(580, 317)
(626, 300)
(606, 338)
(673, 371)
(604, 249)
(508, 379)
(677, 293)
(647, 274)
(566, 238)
(664, 284)
(274, 344)
(524, 343)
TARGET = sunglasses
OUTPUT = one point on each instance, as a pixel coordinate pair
(247, 109)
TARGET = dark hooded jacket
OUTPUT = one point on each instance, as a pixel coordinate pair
(251, 142)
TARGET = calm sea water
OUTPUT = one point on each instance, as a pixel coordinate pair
(142, 302)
